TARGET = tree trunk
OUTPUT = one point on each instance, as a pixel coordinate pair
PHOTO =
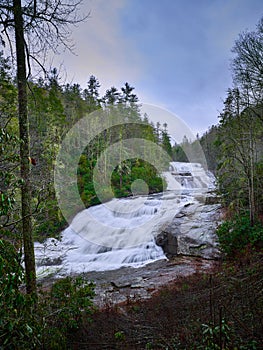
(252, 206)
(24, 150)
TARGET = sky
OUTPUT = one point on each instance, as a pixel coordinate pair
(176, 53)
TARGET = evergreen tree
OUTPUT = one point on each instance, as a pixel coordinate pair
(166, 142)
(127, 96)
(111, 97)
(91, 94)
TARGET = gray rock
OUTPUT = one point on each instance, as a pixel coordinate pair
(192, 232)
(168, 242)
(120, 284)
(50, 261)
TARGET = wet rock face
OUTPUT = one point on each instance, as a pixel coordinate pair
(192, 232)
(168, 242)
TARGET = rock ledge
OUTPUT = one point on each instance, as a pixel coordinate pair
(192, 232)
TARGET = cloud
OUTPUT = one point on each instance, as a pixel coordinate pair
(101, 48)
(175, 53)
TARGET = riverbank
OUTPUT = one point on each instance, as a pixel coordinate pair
(127, 283)
(217, 309)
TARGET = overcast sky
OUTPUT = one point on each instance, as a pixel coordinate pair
(176, 53)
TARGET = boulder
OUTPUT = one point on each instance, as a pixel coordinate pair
(168, 242)
(192, 232)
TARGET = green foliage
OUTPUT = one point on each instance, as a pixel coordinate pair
(69, 297)
(50, 222)
(166, 143)
(124, 177)
(53, 109)
(216, 337)
(25, 324)
(211, 147)
(6, 204)
(233, 148)
(239, 172)
(67, 305)
(9, 145)
(126, 171)
(178, 154)
(18, 327)
(120, 336)
(10, 182)
(234, 235)
(8, 92)
(11, 272)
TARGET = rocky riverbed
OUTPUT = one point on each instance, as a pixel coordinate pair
(131, 284)
(190, 244)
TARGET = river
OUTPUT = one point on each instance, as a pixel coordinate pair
(122, 232)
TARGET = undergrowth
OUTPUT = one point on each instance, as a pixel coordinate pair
(44, 321)
(237, 233)
(220, 310)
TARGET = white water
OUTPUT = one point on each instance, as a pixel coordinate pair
(121, 232)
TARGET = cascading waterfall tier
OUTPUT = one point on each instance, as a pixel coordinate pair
(122, 232)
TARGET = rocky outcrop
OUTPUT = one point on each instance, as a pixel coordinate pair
(192, 232)
(168, 242)
(131, 284)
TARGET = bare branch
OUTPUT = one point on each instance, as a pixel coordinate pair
(46, 26)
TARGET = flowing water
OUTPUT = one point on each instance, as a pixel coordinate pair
(121, 232)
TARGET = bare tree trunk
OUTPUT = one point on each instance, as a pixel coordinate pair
(24, 150)
(252, 206)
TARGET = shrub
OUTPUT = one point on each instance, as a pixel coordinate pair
(43, 323)
(18, 327)
(236, 234)
(63, 309)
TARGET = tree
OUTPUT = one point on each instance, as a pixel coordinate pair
(166, 141)
(24, 148)
(241, 128)
(74, 106)
(247, 67)
(111, 97)
(209, 143)
(240, 136)
(39, 26)
(91, 94)
(127, 96)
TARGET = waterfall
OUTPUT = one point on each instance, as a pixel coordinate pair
(121, 232)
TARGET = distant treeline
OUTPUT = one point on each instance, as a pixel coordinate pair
(53, 109)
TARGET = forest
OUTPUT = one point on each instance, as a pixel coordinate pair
(53, 109)
(37, 111)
